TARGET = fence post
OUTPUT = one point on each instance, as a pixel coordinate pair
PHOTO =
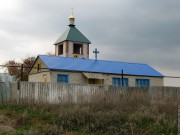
(178, 121)
(22, 72)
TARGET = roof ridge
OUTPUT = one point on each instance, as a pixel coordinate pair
(63, 35)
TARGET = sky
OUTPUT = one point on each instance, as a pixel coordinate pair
(137, 31)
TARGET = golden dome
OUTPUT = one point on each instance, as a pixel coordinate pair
(71, 17)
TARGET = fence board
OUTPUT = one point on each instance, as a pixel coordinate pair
(55, 93)
(2, 92)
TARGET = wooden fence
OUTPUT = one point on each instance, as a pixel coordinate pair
(54, 93)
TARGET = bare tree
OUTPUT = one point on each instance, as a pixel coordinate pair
(27, 62)
(14, 68)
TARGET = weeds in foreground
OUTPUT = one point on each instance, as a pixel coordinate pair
(122, 116)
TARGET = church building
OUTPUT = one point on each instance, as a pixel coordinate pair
(71, 64)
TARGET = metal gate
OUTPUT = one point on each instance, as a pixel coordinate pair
(4, 89)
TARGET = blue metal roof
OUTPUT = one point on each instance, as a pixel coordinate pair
(98, 66)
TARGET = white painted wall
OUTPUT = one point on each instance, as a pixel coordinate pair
(79, 78)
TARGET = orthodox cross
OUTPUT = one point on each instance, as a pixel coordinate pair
(95, 52)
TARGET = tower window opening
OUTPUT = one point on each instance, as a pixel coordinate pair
(60, 49)
(78, 49)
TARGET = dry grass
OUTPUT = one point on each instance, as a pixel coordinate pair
(109, 114)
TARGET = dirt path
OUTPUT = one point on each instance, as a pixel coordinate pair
(6, 124)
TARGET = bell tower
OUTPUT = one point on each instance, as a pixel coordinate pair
(72, 43)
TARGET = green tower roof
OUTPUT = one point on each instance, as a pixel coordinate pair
(72, 34)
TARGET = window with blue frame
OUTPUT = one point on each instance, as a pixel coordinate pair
(61, 78)
(118, 82)
(142, 83)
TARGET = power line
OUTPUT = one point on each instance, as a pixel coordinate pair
(12, 66)
(21, 66)
(172, 77)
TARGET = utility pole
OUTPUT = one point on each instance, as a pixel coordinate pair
(22, 72)
(122, 78)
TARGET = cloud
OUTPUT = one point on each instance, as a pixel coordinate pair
(123, 30)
